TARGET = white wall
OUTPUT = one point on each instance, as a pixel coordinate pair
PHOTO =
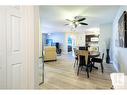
(77, 36)
(44, 36)
(80, 39)
(58, 37)
(63, 39)
(105, 37)
(119, 55)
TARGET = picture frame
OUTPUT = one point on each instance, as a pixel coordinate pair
(122, 30)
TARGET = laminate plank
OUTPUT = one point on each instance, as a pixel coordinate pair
(61, 74)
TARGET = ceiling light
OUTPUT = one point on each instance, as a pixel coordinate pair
(77, 23)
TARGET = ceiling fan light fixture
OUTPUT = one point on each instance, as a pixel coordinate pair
(71, 23)
(78, 20)
(77, 23)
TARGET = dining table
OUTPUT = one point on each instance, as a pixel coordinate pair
(91, 54)
(86, 56)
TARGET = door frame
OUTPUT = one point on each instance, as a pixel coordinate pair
(3, 58)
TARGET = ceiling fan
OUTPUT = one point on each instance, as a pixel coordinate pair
(77, 21)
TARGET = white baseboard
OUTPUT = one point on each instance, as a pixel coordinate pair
(116, 68)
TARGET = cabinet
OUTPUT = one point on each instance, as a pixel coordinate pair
(92, 39)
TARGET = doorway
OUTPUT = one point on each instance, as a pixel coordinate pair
(71, 44)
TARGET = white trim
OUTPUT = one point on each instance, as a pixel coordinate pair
(114, 64)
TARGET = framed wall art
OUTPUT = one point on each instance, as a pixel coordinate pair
(122, 30)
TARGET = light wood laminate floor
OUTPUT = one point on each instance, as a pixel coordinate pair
(61, 74)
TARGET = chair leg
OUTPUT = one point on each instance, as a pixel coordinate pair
(77, 62)
(81, 68)
(87, 70)
(91, 66)
(74, 63)
(94, 66)
(78, 70)
(102, 68)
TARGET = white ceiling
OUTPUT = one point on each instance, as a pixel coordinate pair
(53, 17)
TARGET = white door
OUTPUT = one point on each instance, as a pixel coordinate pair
(2, 49)
(15, 65)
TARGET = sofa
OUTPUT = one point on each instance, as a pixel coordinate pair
(50, 53)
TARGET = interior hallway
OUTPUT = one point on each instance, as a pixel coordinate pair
(61, 74)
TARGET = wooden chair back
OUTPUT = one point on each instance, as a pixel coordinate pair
(83, 53)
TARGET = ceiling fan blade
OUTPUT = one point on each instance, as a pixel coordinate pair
(66, 24)
(81, 19)
(83, 23)
(68, 20)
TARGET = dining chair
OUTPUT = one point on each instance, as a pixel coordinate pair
(83, 53)
(98, 60)
(76, 57)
